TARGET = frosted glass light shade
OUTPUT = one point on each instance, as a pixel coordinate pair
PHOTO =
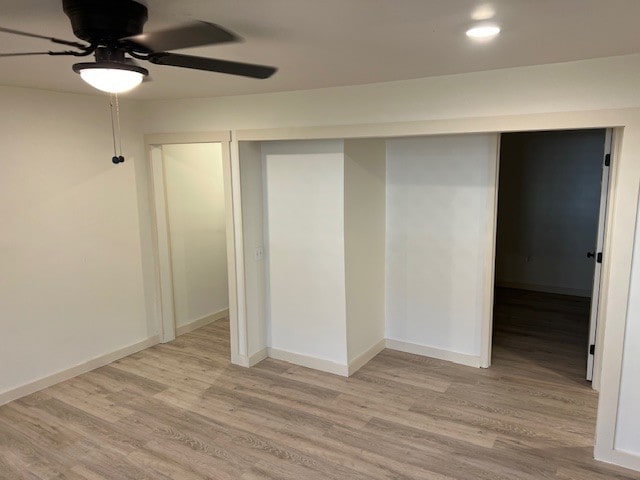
(111, 76)
(111, 80)
(483, 32)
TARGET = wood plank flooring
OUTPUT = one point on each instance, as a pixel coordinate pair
(542, 330)
(181, 411)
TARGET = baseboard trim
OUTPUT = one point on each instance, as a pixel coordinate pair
(258, 357)
(240, 360)
(574, 292)
(364, 358)
(61, 376)
(425, 351)
(309, 362)
(201, 322)
(619, 458)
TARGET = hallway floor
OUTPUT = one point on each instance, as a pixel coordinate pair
(542, 332)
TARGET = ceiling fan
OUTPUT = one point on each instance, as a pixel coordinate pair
(113, 33)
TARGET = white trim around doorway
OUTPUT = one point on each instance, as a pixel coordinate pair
(160, 243)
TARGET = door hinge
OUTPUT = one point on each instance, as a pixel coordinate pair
(592, 349)
(599, 258)
(607, 160)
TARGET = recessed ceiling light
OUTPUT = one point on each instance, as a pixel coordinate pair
(482, 32)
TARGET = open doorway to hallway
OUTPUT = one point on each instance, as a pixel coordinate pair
(191, 213)
(550, 232)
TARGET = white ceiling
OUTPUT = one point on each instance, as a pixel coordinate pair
(323, 43)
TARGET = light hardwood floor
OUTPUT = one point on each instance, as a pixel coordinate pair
(181, 411)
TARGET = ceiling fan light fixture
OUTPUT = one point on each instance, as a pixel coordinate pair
(111, 77)
(483, 32)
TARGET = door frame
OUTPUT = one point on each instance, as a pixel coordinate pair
(605, 185)
(161, 244)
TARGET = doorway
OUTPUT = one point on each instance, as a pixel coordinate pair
(552, 203)
(194, 190)
(191, 199)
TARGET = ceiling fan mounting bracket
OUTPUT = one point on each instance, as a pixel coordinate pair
(105, 54)
(97, 21)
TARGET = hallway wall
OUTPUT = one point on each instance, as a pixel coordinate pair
(549, 198)
(196, 216)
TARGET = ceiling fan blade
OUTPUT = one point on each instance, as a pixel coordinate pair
(185, 36)
(51, 39)
(212, 65)
(23, 54)
(131, 61)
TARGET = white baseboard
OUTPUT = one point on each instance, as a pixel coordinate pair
(201, 322)
(417, 349)
(619, 457)
(258, 357)
(240, 360)
(575, 292)
(362, 359)
(48, 381)
(309, 362)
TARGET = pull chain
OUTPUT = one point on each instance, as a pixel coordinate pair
(117, 158)
(118, 125)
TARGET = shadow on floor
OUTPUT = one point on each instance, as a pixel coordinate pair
(542, 331)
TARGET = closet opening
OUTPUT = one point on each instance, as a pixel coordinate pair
(550, 237)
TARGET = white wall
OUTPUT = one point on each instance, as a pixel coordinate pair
(438, 208)
(364, 239)
(591, 93)
(549, 198)
(253, 231)
(305, 207)
(196, 214)
(627, 436)
(607, 85)
(573, 86)
(71, 287)
(324, 205)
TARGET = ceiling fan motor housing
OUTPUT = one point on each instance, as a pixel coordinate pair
(103, 22)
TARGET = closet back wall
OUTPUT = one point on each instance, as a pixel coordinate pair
(306, 248)
(439, 210)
